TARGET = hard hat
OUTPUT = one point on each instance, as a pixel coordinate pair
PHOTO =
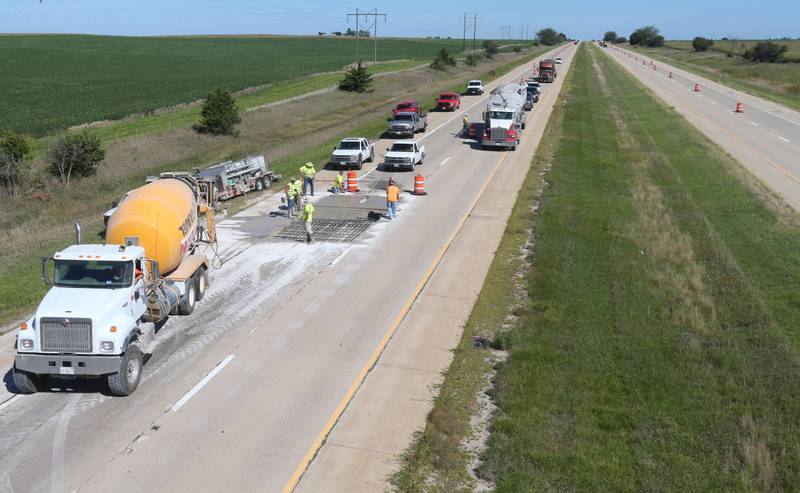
(309, 163)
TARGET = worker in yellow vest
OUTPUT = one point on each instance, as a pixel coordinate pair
(291, 205)
(308, 172)
(338, 183)
(308, 216)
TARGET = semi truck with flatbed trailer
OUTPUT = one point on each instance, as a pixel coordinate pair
(99, 316)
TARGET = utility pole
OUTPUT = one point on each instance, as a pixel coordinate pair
(464, 39)
(474, 29)
(357, 15)
(376, 14)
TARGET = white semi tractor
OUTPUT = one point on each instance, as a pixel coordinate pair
(504, 117)
(98, 318)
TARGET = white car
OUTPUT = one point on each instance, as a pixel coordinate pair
(353, 151)
(404, 154)
(559, 60)
(475, 87)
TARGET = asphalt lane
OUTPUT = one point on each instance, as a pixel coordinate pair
(765, 136)
(236, 393)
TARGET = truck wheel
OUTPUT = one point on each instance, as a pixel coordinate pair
(360, 162)
(201, 281)
(125, 381)
(267, 181)
(372, 155)
(186, 306)
(25, 383)
(259, 185)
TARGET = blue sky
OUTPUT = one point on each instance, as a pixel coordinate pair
(677, 19)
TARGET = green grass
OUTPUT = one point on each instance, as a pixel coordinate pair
(739, 46)
(56, 81)
(658, 348)
(778, 82)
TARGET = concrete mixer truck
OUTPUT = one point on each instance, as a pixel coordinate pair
(99, 317)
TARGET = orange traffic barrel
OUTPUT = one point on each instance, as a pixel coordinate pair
(352, 182)
(419, 185)
(697, 88)
(739, 107)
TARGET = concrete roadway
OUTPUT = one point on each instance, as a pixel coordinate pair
(234, 395)
(765, 137)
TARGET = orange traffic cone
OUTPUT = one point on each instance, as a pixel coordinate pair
(419, 185)
(697, 88)
(352, 182)
(739, 107)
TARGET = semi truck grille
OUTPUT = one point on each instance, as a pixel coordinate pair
(67, 335)
(498, 134)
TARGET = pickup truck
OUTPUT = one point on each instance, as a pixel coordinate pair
(407, 124)
(411, 106)
(404, 154)
(475, 87)
(448, 101)
(352, 152)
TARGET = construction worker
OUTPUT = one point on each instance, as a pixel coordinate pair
(392, 196)
(290, 199)
(308, 172)
(308, 215)
(338, 183)
(298, 196)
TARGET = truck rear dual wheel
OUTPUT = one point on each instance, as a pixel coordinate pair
(186, 305)
(26, 383)
(125, 381)
(259, 185)
(201, 281)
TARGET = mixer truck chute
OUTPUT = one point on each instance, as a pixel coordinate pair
(98, 318)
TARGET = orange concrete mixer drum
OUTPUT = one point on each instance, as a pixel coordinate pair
(161, 217)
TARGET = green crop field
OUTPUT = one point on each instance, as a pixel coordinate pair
(55, 81)
(739, 45)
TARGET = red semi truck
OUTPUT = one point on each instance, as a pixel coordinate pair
(547, 70)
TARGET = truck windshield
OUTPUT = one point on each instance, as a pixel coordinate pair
(349, 145)
(403, 147)
(475, 83)
(501, 115)
(404, 116)
(93, 274)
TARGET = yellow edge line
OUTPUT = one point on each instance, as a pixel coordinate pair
(362, 375)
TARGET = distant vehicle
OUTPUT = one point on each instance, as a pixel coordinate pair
(407, 124)
(475, 87)
(411, 106)
(533, 82)
(547, 71)
(504, 117)
(531, 97)
(448, 101)
(404, 154)
(353, 151)
(559, 60)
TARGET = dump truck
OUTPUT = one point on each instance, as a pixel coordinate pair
(99, 317)
(504, 117)
(547, 70)
(234, 178)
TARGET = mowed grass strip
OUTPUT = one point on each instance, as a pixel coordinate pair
(658, 347)
(52, 82)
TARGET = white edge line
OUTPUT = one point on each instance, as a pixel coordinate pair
(780, 137)
(202, 383)
(9, 402)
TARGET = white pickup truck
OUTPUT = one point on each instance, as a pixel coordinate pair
(475, 87)
(404, 154)
(353, 151)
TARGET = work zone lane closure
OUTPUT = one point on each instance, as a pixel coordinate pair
(759, 140)
(291, 484)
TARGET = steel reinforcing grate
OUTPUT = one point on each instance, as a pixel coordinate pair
(330, 230)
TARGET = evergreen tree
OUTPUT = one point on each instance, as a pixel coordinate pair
(219, 115)
(357, 79)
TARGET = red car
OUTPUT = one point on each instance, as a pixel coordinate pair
(448, 101)
(408, 107)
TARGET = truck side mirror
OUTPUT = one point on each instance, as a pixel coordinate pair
(45, 276)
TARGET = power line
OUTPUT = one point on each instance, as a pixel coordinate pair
(376, 14)
(245, 9)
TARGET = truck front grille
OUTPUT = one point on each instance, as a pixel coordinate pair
(396, 160)
(498, 134)
(66, 335)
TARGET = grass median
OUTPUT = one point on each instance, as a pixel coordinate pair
(657, 348)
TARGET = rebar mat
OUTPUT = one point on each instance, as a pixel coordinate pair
(330, 230)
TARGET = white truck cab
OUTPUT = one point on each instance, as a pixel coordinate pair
(353, 152)
(404, 154)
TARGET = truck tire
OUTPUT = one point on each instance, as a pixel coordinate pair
(201, 281)
(267, 181)
(372, 155)
(186, 305)
(259, 185)
(125, 381)
(24, 382)
(360, 163)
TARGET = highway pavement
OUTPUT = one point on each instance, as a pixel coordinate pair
(237, 394)
(764, 137)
